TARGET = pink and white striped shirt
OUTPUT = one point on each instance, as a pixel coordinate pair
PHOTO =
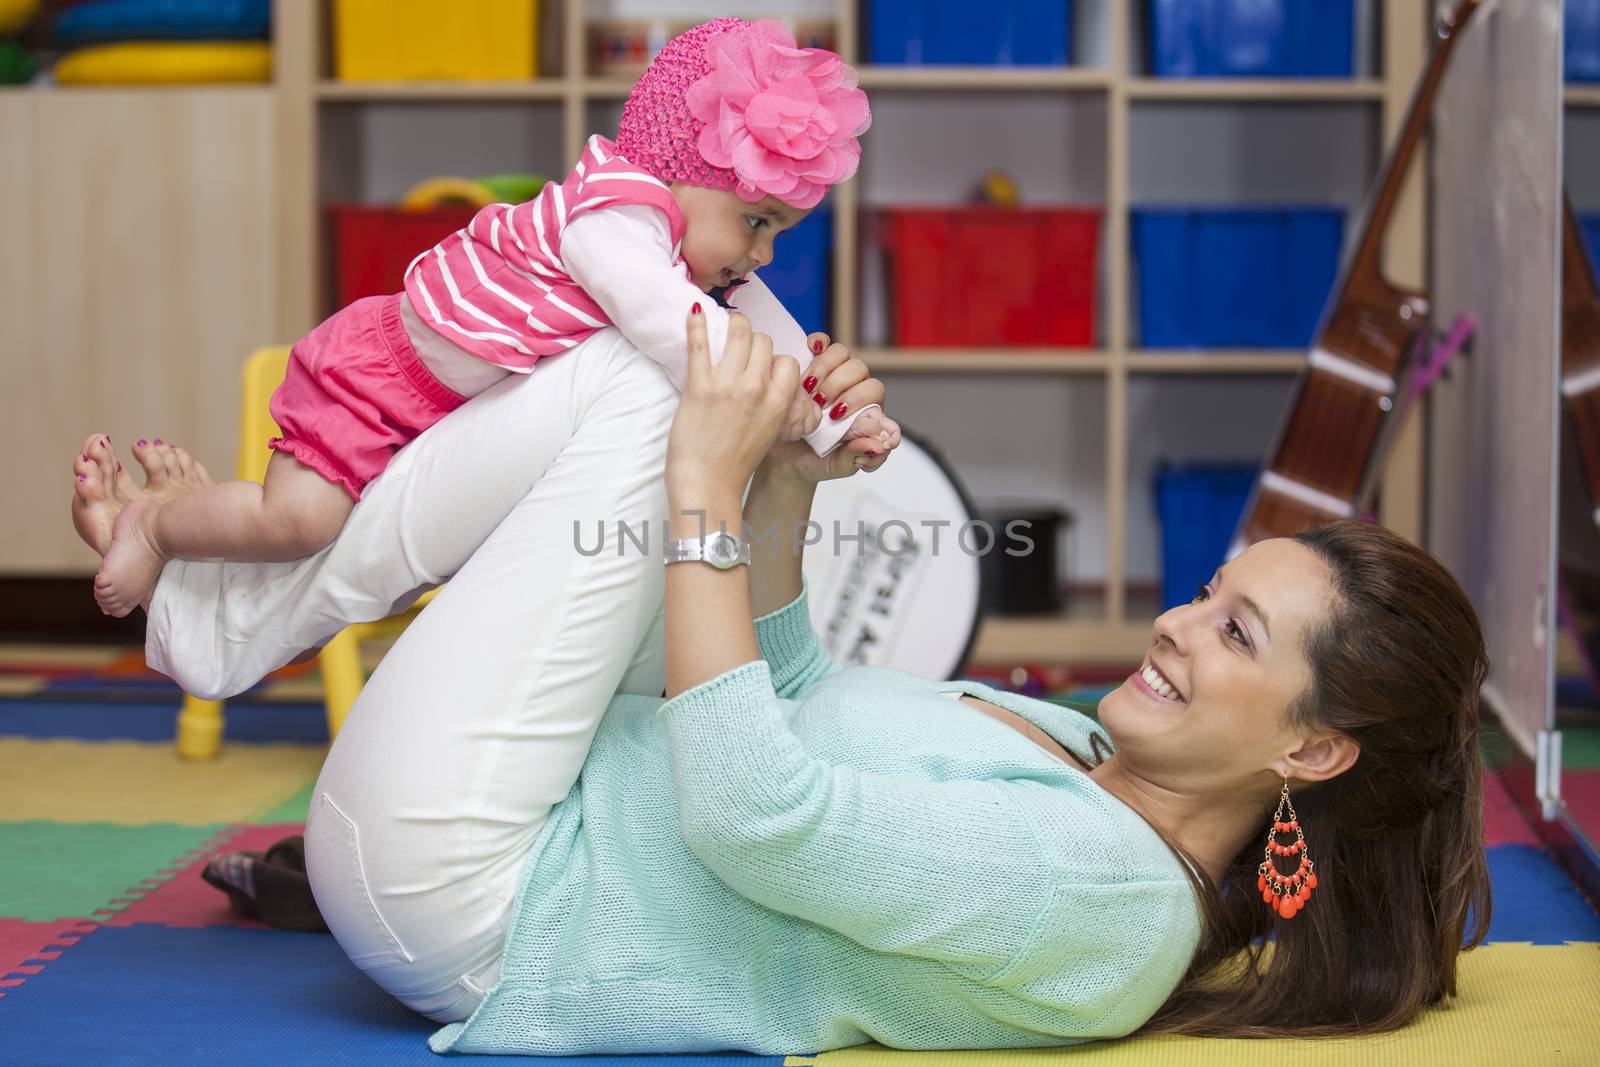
(499, 289)
(602, 248)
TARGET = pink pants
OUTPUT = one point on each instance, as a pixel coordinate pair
(356, 393)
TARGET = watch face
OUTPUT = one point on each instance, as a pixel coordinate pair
(722, 550)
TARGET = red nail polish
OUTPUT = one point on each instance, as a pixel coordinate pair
(816, 346)
(821, 400)
(809, 384)
(872, 455)
(838, 411)
(83, 457)
(695, 310)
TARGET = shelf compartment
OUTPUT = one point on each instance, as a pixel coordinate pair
(443, 91)
(985, 361)
(1264, 89)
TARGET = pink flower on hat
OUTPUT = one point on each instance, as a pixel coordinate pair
(784, 119)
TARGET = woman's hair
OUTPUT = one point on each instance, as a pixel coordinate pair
(1396, 664)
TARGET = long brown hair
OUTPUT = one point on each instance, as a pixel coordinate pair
(1398, 839)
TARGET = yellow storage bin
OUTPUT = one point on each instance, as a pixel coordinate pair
(166, 63)
(422, 40)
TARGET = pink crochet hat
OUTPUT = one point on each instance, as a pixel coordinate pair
(735, 105)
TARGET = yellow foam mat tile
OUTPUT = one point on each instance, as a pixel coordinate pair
(132, 782)
(86, 656)
(1519, 1004)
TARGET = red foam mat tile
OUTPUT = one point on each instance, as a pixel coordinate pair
(25, 948)
(188, 901)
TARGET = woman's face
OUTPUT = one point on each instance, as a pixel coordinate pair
(1227, 668)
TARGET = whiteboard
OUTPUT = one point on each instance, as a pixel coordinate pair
(1496, 253)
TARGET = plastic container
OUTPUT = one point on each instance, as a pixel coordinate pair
(1199, 506)
(1233, 277)
(996, 33)
(976, 276)
(372, 246)
(1032, 583)
(801, 273)
(1252, 38)
(403, 40)
(1580, 40)
(1590, 225)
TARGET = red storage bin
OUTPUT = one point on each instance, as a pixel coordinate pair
(974, 276)
(373, 246)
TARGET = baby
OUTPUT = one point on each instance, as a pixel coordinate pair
(728, 140)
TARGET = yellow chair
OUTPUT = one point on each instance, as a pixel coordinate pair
(200, 721)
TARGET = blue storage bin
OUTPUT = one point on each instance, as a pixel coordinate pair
(941, 33)
(160, 20)
(801, 271)
(1580, 40)
(1590, 225)
(1234, 277)
(1199, 507)
(1252, 38)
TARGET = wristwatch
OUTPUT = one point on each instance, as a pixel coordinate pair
(720, 549)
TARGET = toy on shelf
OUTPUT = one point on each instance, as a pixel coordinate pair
(15, 14)
(421, 40)
(165, 42)
(109, 21)
(16, 64)
(477, 192)
(619, 47)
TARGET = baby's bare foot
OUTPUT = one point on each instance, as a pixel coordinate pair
(132, 564)
(96, 498)
(169, 471)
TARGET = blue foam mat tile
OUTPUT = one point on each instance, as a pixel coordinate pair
(155, 720)
(153, 995)
(1535, 901)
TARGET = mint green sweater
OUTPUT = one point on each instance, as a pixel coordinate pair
(794, 857)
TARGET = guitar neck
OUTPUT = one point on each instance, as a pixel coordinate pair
(1365, 264)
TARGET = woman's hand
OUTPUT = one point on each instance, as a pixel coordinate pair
(730, 414)
(842, 379)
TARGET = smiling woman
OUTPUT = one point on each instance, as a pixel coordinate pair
(1343, 664)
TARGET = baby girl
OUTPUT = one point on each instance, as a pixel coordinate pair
(728, 140)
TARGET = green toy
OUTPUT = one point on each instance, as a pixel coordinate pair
(16, 65)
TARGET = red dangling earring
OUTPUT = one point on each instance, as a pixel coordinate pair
(1286, 894)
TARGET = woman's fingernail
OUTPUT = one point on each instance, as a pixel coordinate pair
(872, 455)
(821, 400)
(816, 346)
(140, 442)
(695, 310)
(838, 411)
(809, 384)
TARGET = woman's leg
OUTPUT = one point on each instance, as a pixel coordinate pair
(478, 720)
(218, 628)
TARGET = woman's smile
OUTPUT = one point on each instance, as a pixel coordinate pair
(1150, 681)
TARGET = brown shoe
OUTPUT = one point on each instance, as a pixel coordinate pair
(270, 886)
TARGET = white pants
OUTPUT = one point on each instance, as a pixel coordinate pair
(479, 719)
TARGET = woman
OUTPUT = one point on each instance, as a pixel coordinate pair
(787, 856)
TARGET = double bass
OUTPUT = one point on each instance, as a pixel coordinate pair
(1324, 461)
